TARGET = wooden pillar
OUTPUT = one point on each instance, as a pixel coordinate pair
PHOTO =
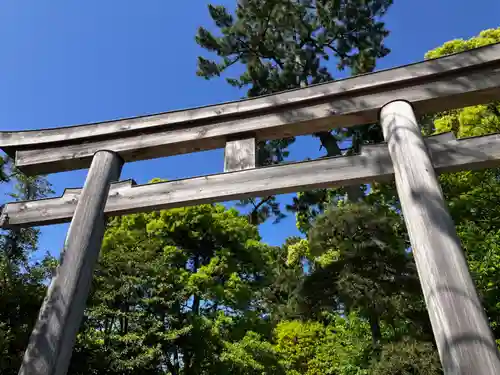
(239, 154)
(51, 343)
(464, 340)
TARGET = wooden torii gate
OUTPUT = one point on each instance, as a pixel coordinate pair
(393, 97)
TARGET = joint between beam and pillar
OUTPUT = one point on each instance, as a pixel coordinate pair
(117, 154)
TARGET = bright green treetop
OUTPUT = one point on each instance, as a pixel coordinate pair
(171, 288)
(474, 197)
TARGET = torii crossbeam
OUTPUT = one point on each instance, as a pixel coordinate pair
(393, 97)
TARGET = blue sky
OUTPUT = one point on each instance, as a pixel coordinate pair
(70, 62)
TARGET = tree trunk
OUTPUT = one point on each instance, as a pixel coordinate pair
(253, 218)
(329, 142)
(196, 298)
(176, 362)
(375, 329)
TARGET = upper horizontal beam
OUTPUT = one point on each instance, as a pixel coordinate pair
(373, 164)
(453, 81)
(243, 108)
(442, 93)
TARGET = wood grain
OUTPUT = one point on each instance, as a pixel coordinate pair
(357, 104)
(239, 154)
(463, 336)
(373, 164)
(51, 343)
(378, 81)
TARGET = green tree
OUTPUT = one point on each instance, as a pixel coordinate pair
(286, 44)
(281, 297)
(473, 197)
(22, 280)
(338, 347)
(21, 294)
(19, 244)
(172, 290)
(3, 175)
(407, 357)
(359, 262)
(252, 355)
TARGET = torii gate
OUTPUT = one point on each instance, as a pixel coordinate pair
(463, 337)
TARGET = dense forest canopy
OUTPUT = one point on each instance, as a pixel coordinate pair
(196, 291)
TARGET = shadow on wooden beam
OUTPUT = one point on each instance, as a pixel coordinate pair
(373, 164)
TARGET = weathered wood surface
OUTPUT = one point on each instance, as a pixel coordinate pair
(373, 164)
(240, 154)
(54, 208)
(399, 76)
(468, 78)
(463, 337)
(51, 343)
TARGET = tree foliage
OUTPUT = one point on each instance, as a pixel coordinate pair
(195, 291)
(361, 264)
(172, 287)
(286, 44)
(473, 197)
(22, 279)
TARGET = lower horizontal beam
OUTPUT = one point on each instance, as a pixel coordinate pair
(373, 164)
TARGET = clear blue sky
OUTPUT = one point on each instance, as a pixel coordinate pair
(70, 62)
